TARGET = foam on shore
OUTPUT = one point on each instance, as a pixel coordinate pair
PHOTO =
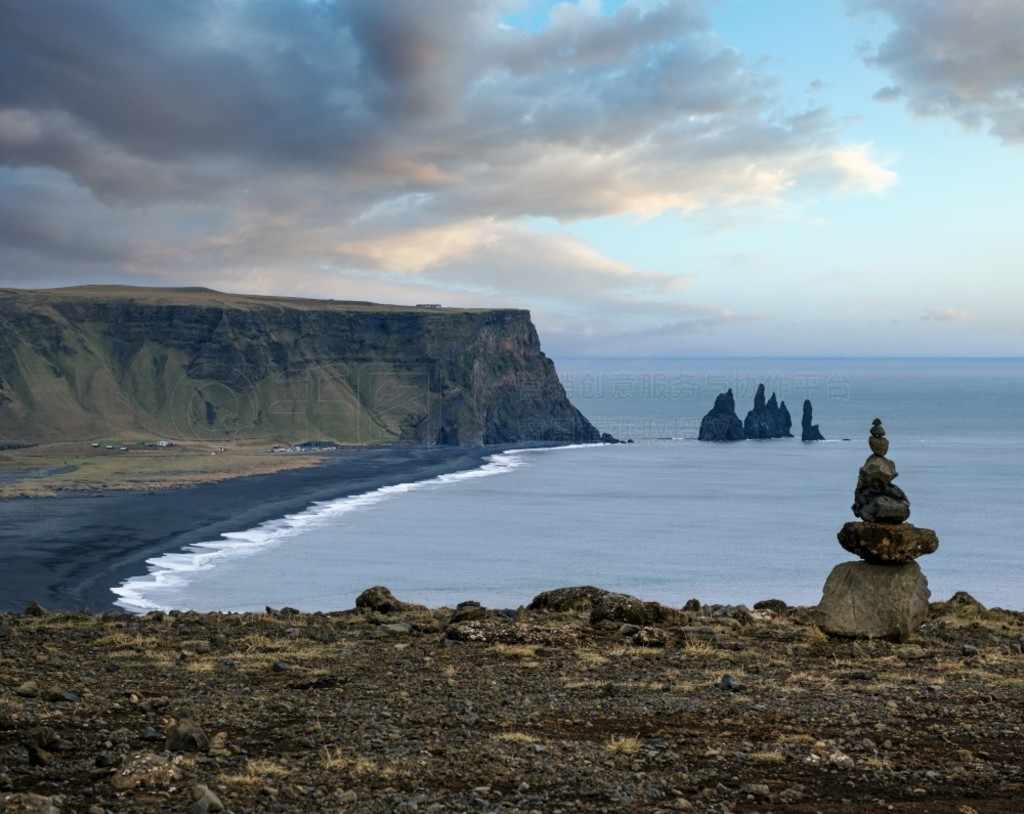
(173, 570)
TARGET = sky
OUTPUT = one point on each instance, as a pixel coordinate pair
(647, 177)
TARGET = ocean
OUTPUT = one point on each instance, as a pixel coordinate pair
(666, 518)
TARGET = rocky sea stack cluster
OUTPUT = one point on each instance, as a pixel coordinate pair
(884, 595)
(769, 419)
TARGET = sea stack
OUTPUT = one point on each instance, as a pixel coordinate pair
(885, 595)
(768, 419)
(721, 423)
(808, 429)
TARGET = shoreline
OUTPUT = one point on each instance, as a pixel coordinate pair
(67, 552)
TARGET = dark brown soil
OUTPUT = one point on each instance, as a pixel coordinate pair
(534, 712)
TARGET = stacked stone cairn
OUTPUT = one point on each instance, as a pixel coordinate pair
(884, 595)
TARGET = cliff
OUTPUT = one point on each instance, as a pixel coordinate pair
(100, 361)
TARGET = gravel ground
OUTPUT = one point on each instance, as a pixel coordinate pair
(709, 709)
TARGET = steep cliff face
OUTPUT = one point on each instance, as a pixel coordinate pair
(195, 364)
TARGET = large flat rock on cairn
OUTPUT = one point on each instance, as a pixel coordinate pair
(867, 601)
(887, 544)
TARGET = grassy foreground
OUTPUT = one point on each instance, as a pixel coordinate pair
(711, 710)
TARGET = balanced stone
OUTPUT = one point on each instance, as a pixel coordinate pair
(877, 441)
(885, 596)
(887, 544)
(877, 472)
(876, 499)
(866, 601)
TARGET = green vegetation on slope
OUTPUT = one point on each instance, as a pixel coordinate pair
(195, 365)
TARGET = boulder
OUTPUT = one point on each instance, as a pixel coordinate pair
(650, 637)
(866, 601)
(204, 800)
(721, 423)
(497, 630)
(962, 599)
(381, 600)
(146, 770)
(577, 598)
(30, 803)
(808, 429)
(773, 605)
(622, 608)
(887, 544)
(876, 499)
(468, 611)
(35, 609)
(41, 742)
(183, 734)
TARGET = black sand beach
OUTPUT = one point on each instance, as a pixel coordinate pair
(67, 552)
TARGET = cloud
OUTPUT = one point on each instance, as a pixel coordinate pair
(947, 314)
(342, 148)
(961, 59)
(687, 327)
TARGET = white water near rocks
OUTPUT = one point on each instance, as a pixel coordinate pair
(668, 517)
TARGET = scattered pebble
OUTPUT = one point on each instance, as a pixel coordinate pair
(537, 710)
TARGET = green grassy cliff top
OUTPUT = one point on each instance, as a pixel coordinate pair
(206, 297)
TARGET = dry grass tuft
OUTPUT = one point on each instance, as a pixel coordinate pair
(699, 647)
(520, 651)
(591, 657)
(623, 745)
(631, 650)
(768, 756)
(796, 737)
(257, 772)
(516, 737)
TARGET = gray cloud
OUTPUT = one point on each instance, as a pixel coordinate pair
(962, 59)
(333, 147)
(43, 216)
